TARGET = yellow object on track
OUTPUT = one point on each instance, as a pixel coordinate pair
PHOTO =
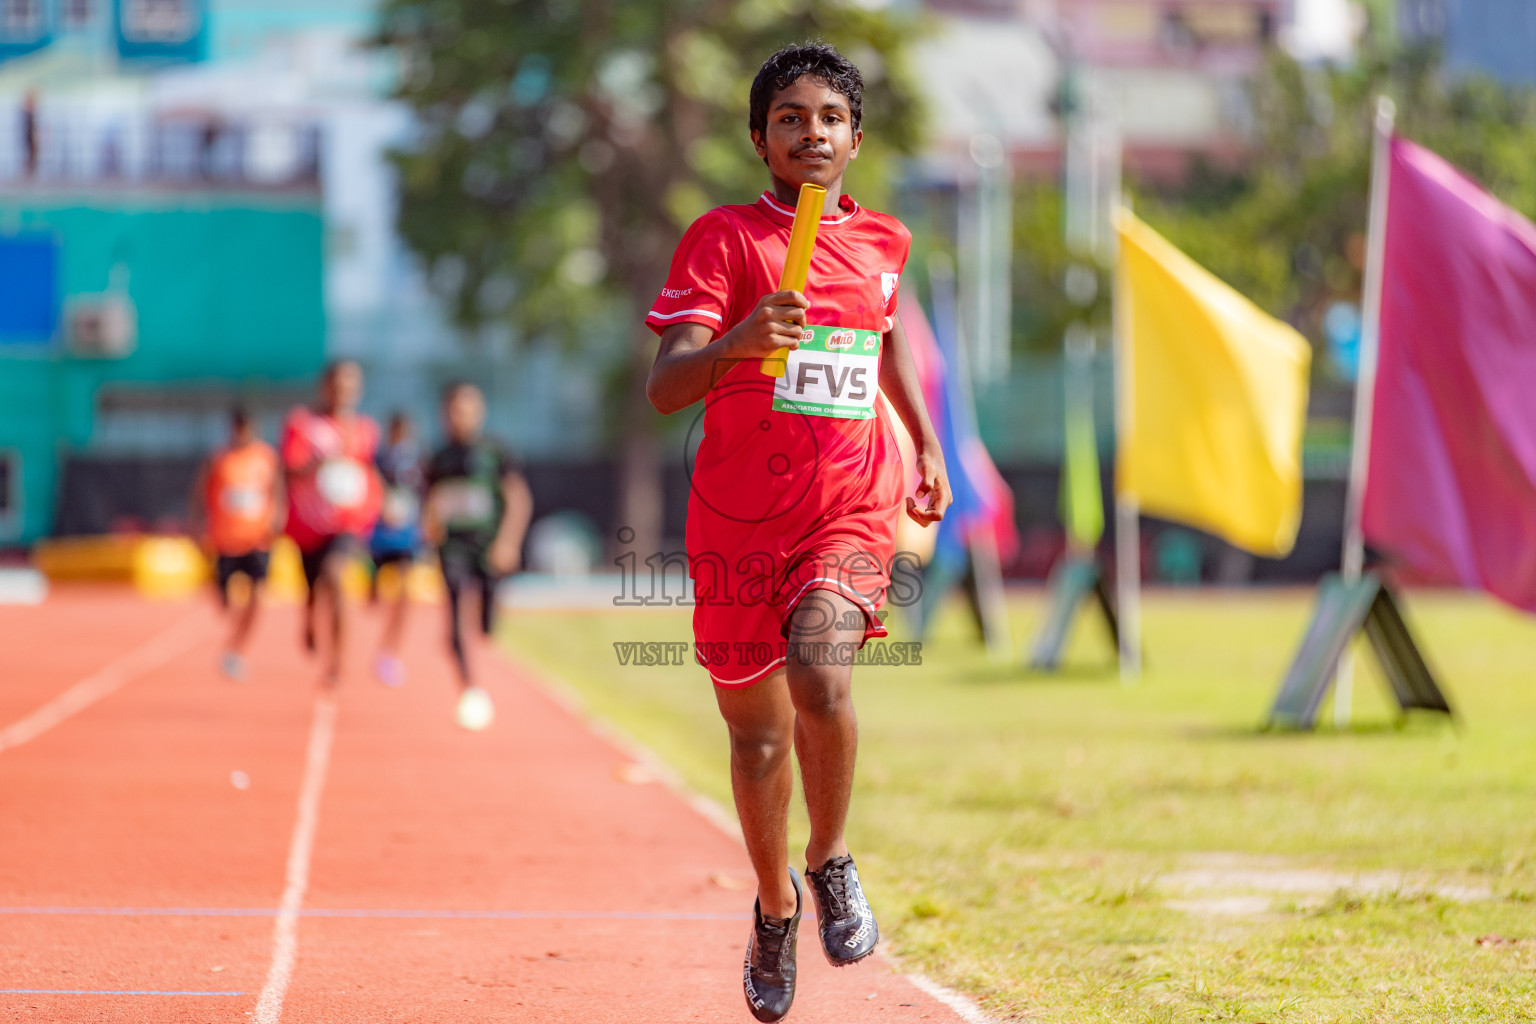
(159, 567)
(166, 568)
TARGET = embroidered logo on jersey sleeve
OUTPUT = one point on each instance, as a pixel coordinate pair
(888, 283)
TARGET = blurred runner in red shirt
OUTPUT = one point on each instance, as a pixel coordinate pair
(334, 495)
(796, 489)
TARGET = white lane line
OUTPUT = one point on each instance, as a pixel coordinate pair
(285, 940)
(103, 992)
(563, 696)
(103, 682)
(964, 1006)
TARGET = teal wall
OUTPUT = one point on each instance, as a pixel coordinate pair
(239, 28)
(27, 404)
(228, 290)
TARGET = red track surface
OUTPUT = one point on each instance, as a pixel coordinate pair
(583, 883)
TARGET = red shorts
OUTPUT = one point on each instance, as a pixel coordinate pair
(741, 618)
(782, 507)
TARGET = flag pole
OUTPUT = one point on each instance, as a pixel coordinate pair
(1352, 562)
(1127, 507)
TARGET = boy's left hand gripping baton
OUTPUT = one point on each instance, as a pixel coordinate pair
(797, 261)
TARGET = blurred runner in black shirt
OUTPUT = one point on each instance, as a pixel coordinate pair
(478, 507)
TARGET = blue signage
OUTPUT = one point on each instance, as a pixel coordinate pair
(161, 30)
(29, 288)
(24, 27)
(1342, 326)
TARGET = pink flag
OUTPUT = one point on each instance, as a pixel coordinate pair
(1451, 492)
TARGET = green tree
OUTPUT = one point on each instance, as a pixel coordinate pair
(564, 145)
(1041, 309)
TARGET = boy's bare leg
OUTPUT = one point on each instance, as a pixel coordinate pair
(394, 624)
(807, 704)
(245, 618)
(328, 591)
(825, 630)
(311, 610)
(456, 642)
(395, 612)
(761, 722)
(485, 635)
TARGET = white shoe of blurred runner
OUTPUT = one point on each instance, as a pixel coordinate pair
(475, 710)
(233, 666)
(390, 670)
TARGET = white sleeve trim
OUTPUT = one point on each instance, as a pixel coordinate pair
(683, 312)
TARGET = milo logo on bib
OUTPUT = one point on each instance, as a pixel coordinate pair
(835, 372)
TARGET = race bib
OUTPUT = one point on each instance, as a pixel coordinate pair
(343, 483)
(241, 501)
(400, 507)
(463, 504)
(835, 372)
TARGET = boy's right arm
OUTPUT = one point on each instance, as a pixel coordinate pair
(291, 454)
(506, 549)
(688, 364)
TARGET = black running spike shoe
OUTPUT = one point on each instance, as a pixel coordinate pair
(847, 925)
(768, 979)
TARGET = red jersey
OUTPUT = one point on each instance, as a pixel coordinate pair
(238, 498)
(801, 469)
(333, 487)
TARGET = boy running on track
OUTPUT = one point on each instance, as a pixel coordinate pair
(796, 490)
(396, 537)
(478, 507)
(334, 495)
(238, 507)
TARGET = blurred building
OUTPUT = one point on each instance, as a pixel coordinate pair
(196, 209)
(1158, 87)
(1491, 37)
(1171, 74)
(133, 222)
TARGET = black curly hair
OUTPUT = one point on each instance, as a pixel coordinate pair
(818, 60)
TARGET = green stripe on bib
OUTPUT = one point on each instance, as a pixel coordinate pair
(835, 372)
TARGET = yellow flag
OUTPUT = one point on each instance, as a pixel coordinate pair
(1211, 434)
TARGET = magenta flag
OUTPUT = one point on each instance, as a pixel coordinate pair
(1451, 491)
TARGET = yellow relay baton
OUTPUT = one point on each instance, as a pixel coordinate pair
(797, 261)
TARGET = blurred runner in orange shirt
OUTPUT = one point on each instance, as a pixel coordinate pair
(238, 505)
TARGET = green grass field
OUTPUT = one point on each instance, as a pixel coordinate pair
(1067, 849)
